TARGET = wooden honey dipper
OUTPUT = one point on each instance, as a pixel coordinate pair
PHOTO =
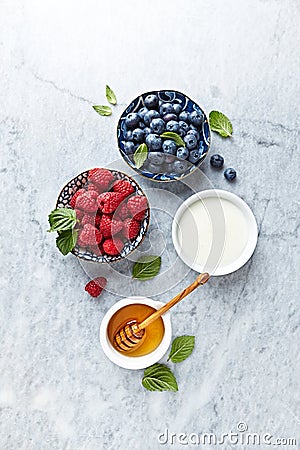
(131, 335)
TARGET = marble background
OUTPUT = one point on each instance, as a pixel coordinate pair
(57, 389)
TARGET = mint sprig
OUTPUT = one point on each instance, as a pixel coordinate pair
(182, 347)
(220, 123)
(140, 155)
(66, 241)
(146, 268)
(103, 110)
(62, 219)
(159, 378)
(110, 95)
(174, 136)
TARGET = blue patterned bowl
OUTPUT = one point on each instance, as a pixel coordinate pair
(63, 202)
(168, 97)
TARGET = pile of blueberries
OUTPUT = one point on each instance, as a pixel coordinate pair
(156, 117)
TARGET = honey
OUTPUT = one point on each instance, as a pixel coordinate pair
(138, 311)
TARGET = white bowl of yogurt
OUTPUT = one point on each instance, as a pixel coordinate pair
(214, 231)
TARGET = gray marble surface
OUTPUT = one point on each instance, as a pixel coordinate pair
(57, 389)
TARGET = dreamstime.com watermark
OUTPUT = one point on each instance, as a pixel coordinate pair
(239, 437)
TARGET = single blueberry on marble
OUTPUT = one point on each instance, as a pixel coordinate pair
(230, 174)
(217, 161)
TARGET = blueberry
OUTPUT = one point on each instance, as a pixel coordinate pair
(182, 153)
(157, 126)
(177, 108)
(182, 132)
(156, 158)
(169, 158)
(128, 135)
(151, 101)
(138, 135)
(173, 126)
(169, 117)
(183, 126)
(141, 112)
(150, 115)
(195, 133)
(196, 118)
(169, 147)
(142, 125)
(166, 108)
(217, 161)
(169, 167)
(153, 141)
(132, 120)
(185, 116)
(147, 131)
(179, 167)
(129, 147)
(195, 156)
(154, 168)
(230, 174)
(191, 141)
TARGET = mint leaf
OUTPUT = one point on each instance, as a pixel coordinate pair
(219, 123)
(103, 110)
(182, 347)
(66, 241)
(62, 219)
(111, 96)
(159, 378)
(174, 136)
(146, 267)
(140, 155)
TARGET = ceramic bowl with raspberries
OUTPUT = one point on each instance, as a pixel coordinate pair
(112, 214)
(163, 135)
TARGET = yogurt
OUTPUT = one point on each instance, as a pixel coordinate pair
(213, 232)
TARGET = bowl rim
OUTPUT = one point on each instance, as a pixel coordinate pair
(248, 214)
(147, 224)
(138, 362)
(195, 166)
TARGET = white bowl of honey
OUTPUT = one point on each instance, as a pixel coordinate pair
(157, 339)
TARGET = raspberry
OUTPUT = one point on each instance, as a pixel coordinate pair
(137, 205)
(87, 218)
(131, 228)
(93, 194)
(109, 201)
(90, 235)
(93, 187)
(98, 219)
(109, 227)
(102, 178)
(122, 211)
(113, 246)
(123, 187)
(72, 202)
(79, 214)
(80, 242)
(86, 202)
(96, 286)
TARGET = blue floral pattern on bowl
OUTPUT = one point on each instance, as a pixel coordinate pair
(63, 202)
(171, 97)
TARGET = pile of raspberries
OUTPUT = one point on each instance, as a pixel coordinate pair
(109, 213)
